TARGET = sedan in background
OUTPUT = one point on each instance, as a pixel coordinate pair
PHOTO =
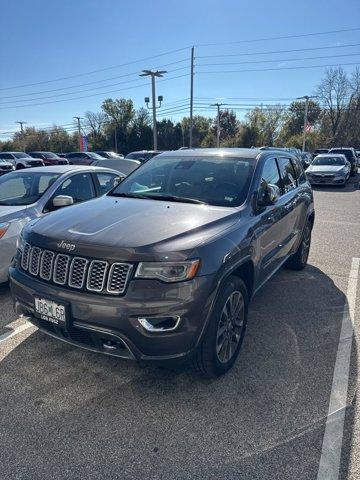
(6, 166)
(21, 160)
(83, 158)
(49, 158)
(104, 154)
(122, 165)
(143, 155)
(329, 169)
(29, 194)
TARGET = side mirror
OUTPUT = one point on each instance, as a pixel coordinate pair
(268, 195)
(62, 201)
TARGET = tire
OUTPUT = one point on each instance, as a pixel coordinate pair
(298, 260)
(223, 338)
(19, 166)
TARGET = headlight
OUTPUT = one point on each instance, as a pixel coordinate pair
(3, 228)
(168, 271)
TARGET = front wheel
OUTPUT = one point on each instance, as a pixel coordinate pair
(223, 338)
(299, 259)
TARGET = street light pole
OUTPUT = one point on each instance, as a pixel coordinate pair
(191, 99)
(22, 134)
(306, 98)
(153, 74)
(79, 131)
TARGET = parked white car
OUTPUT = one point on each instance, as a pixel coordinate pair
(21, 160)
(27, 194)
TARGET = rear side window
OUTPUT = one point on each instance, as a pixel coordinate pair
(299, 171)
(270, 173)
(107, 181)
(287, 173)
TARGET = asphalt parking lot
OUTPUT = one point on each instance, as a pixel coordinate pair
(68, 413)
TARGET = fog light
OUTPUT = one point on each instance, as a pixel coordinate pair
(159, 324)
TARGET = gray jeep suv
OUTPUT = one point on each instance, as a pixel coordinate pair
(163, 267)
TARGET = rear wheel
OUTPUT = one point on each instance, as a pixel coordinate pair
(299, 259)
(221, 344)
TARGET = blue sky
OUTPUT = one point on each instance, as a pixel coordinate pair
(41, 41)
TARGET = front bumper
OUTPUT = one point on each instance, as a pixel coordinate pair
(97, 322)
(327, 181)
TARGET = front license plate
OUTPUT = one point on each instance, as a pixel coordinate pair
(50, 311)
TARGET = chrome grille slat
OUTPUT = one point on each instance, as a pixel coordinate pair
(96, 275)
(34, 260)
(46, 264)
(118, 277)
(77, 272)
(81, 273)
(61, 268)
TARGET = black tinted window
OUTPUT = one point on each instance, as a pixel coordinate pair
(299, 171)
(287, 174)
(270, 173)
(107, 181)
(80, 187)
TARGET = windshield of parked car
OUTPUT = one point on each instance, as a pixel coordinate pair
(222, 181)
(24, 188)
(21, 155)
(142, 156)
(94, 155)
(333, 161)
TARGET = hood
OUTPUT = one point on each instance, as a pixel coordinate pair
(325, 168)
(116, 227)
(8, 213)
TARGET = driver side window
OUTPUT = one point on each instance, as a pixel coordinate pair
(270, 174)
(80, 187)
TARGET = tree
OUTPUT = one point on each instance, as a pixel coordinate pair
(96, 122)
(228, 125)
(265, 124)
(201, 127)
(294, 118)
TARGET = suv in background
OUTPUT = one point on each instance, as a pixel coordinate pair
(350, 155)
(163, 267)
(49, 158)
(143, 155)
(82, 158)
(21, 160)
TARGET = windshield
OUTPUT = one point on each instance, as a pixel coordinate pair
(24, 188)
(142, 156)
(21, 155)
(49, 155)
(222, 181)
(94, 155)
(333, 161)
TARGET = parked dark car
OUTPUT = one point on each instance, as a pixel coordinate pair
(164, 266)
(350, 154)
(21, 160)
(122, 165)
(318, 151)
(49, 158)
(143, 155)
(104, 154)
(82, 158)
(6, 166)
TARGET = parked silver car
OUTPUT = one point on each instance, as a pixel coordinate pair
(329, 169)
(27, 194)
(6, 166)
(21, 160)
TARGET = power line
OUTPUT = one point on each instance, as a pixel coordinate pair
(132, 74)
(278, 60)
(80, 91)
(312, 34)
(280, 68)
(96, 71)
(88, 96)
(270, 52)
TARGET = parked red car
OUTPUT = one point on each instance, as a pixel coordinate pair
(49, 158)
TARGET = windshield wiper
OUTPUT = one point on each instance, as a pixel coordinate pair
(175, 198)
(128, 195)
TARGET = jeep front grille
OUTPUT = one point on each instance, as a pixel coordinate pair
(76, 272)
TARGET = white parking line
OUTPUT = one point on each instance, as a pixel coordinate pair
(333, 436)
(14, 331)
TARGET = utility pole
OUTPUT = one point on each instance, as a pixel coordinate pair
(153, 74)
(22, 134)
(79, 131)
(191, 98)
(306, 98)
(218, 105)
(115, 138)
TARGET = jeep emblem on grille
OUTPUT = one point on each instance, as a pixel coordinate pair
(66, 246)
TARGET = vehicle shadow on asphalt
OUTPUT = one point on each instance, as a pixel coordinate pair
(67, 411)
